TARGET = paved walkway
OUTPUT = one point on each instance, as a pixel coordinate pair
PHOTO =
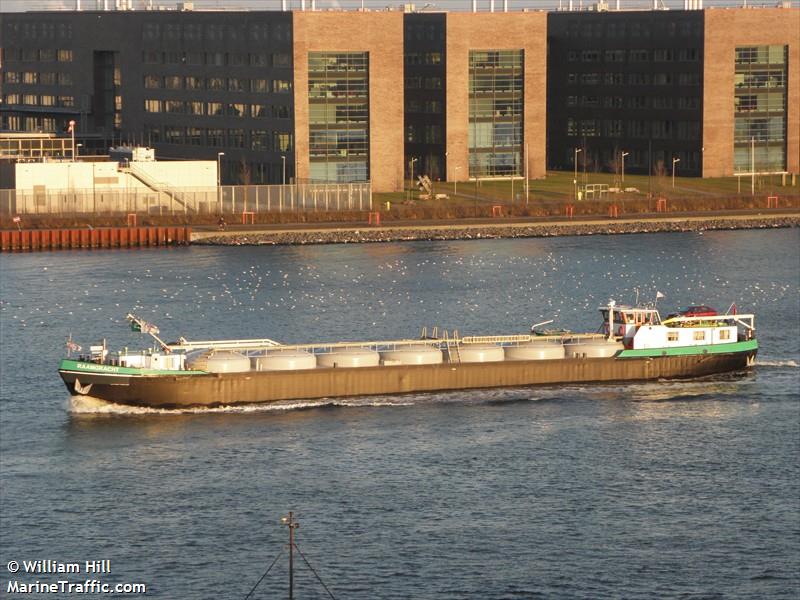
(201, 232)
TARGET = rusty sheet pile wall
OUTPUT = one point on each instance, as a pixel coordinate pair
(105, 237)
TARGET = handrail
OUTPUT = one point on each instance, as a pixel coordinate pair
(737, 318)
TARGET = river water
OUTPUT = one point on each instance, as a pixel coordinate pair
(658, 490)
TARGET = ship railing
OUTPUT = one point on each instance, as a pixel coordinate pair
(186, 345)
(745, 320)
(266, 345)
(380, 345)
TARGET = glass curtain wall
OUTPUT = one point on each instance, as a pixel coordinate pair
(338, 97)
(495, 112)
(760, 109)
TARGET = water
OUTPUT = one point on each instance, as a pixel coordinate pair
(661, 490)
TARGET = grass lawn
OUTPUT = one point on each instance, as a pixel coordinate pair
(558, 186)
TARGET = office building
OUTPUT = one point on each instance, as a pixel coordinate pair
(388, 95)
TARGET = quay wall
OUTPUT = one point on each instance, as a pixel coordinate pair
(367, 233)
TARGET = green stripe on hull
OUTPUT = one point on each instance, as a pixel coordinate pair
(746, 346)
(94, 368)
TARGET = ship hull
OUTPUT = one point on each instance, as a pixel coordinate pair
(181, 389)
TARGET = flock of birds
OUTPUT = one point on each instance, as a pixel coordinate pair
(329, 293)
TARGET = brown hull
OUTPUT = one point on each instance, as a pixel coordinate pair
(272, 386)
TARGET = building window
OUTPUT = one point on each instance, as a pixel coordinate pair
(11, 77)
(236, 85)
(64, 56)
(281, 59)
(283, 141)
(194, 83)
(236, 110)
(495, 112)
(258, 111)
(174, 135)
(281, 86)
(338, 92)
(280, 111)
(259, 86)
(174, 106)
(194, 136)
(173, 82)
(760, 93)
(259, 60)
(236, 138)
(152, 106)
(216, 59)
(215, 137)
(259, 140)
(216, 83)
(238, 59)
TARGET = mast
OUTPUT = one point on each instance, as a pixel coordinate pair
(292, 524)
(611, 305)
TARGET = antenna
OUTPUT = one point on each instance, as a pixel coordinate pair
(292, 524)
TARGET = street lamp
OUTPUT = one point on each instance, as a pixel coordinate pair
(575, 178)
(623, 155)
(674, 161)
(78, 148)
(455, 180)
(219, 171)
(219, 180)
(72, 133)
(283, 161)
(411, 166)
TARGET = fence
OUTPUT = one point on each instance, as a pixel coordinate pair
(228, 199)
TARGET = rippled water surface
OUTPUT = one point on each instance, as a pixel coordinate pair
(658, 490)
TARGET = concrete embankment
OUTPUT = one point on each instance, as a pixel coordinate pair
(366, 233)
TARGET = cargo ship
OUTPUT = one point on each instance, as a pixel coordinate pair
(632, 344)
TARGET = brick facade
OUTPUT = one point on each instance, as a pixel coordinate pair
(497, 31)
(725, 29)
(380, 34)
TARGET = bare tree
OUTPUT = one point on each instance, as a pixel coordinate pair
(245, 172)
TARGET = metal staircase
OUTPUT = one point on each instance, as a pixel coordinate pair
(159, 187)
